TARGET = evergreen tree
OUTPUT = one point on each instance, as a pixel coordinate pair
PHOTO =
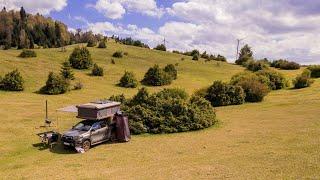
(245, 55)
(66, 70)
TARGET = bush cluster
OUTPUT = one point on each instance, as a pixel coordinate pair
(223, 94)
(128, 80)
(167, 111)
(102, 44)
(171, 70)
(91, 43)
(303, 80)
(256, 65)
(97, 70)
(315, 71)
(55, 84)
(284, 64)
(117, 54)
(12, 81)
(80, 58)
(157, 76)
(276, 79)
(161, 47)
(28, 53)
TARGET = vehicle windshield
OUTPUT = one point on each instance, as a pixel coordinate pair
(83, 125)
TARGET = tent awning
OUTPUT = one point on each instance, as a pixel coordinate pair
(71, 109)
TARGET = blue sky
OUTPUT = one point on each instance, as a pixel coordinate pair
(274, 29)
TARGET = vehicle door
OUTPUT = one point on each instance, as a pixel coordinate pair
(98, 132)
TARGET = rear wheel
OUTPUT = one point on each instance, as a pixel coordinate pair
(86, 145)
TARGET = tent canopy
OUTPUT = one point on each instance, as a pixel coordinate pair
(71, 109)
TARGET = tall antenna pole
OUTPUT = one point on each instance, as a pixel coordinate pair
(46, 109)
(238, 43)
(164, 41)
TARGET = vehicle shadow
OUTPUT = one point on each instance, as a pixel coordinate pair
(60, 149)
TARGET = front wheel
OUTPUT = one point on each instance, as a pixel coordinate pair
(86, 145)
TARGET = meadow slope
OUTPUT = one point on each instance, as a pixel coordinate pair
(277, 138)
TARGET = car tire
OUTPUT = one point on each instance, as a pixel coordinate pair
(86, 145)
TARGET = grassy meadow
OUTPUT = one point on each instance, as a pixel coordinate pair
(275, 139)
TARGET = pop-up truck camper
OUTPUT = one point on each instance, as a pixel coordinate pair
(101, 121)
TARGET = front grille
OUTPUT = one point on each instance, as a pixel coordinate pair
(67, 139)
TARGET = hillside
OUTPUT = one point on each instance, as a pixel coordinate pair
(273, 139)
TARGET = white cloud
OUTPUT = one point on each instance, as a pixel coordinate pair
(274, 29)
(35, 6)
(116, 9)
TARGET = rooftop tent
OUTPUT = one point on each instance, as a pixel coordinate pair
(98, 110)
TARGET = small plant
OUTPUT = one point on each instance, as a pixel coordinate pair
(66, 70)
(27, 53)
(182, 59)
(78, 85)
(161, 47)
(223, 94)
(102, 44)
(195, 57)
(156, 76)
(80, 58)
(55, 84)
(128, 80)
(113, 61)
(91, 43)
(304, 80)
(12, 81)
(171, 70)
(315, 71)
(126, 53)
(97, 70)
(117, 54)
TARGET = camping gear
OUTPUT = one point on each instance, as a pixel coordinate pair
(98, 110)
(122, 127)
(49, 138)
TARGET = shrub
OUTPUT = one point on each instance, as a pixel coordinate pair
(97, 70)
(113, 61)
(126, 53)
(128, 80)
(315, 71)
(119, 98)
(102, 44)
(156, 76)
(284, 64)
(27, 53)
(117, 54)
(276, 79)
(244, 76)
(222, 94)
(254, 89)
(256, 66)
(78, 85)
(12, 81)
(168, 111)
(161, 47)
(66, 70)
(171, 70)
(80, 58)
(303, 80)
(55, 84)
(245, 55)
(91, 43)
(195, 57)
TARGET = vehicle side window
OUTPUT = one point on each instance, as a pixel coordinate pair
(103, 124)
(96, 126)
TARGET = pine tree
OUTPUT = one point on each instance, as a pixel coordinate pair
(66, 70)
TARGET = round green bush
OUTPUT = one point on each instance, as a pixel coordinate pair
(223, 94)
(254, 90)
(171, 70)
(315, 71)
(117, 54)
(80, 58)
(161, 47)
(304, 80)
(276, 79)
(12, 81)
(55, 84)
(168, 111)
(256, 66)
(102, 44)
(128, 80)
(156, 76)
(91, 43)
(195, 57)
(27, 53)
(97, 70)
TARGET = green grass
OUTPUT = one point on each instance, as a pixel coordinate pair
(275, 139)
